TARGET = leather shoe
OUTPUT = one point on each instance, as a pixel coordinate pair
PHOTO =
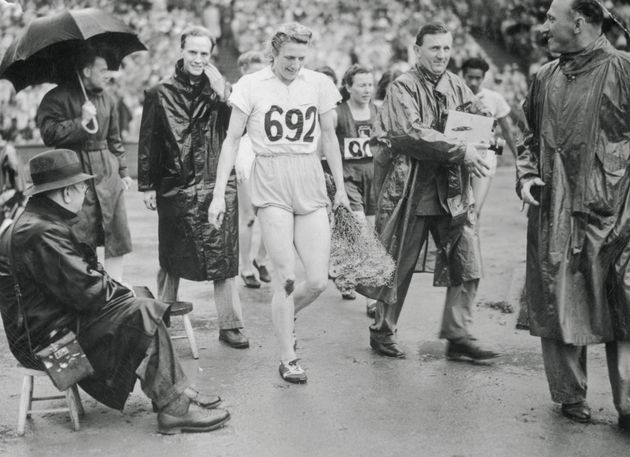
(234, 338)
(196, 420)
(624, 422)
(387, 348)
(466, 349)
(578, 412)
(199, 399)
(250, 281)
(263, 273)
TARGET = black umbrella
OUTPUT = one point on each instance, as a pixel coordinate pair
(46, 50)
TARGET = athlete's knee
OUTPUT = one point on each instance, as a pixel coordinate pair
(316, 285)
(289, 286)
(284, 280)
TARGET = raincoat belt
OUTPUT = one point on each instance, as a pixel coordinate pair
(93, 145)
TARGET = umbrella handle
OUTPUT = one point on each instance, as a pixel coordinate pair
(92, 130)
(84, 124)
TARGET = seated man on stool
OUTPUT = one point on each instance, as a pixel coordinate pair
(63, 286)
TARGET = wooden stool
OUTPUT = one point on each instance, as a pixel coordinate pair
(183, 308)
(73, 401)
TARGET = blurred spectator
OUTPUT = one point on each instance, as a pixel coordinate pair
(374, 33)
(325, 69)
(383, 84)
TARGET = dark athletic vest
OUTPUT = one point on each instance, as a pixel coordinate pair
(353, 136)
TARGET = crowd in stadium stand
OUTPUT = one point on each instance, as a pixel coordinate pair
(346, 32)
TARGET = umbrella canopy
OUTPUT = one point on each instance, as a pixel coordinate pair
(47, 48)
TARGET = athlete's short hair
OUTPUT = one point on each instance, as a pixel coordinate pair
(356, 69)
(290, 32)
(348, 79)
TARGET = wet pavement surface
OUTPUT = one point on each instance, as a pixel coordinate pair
(355, 403)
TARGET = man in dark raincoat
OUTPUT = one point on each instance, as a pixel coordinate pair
(184, 122)
(573, 170)
(423, 185)
(64, 287)
(63, 118)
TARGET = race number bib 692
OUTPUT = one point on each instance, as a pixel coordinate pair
(356, 148)
(294, 126)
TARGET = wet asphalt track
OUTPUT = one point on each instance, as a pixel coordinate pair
(355, 403)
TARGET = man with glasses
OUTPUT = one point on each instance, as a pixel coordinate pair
(63, 287)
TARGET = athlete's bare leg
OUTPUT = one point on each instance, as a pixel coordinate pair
(312, 243)
(277, 232)
(258, 252)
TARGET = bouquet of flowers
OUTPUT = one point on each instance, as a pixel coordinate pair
(356, 254)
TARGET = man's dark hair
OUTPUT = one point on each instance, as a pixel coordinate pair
(88, 55)
(475, 63)
(432, 28)
(591, 10)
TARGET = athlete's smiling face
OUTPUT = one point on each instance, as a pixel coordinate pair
(289, 60)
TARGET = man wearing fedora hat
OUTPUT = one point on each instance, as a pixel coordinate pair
(64, 287)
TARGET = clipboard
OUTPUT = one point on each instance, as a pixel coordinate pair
(469, 128)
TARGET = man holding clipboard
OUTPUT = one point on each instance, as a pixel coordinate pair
(423, 184)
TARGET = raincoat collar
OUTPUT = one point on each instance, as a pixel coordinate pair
(438, 82)
(584, 60)
(184, 79)
(46, 206)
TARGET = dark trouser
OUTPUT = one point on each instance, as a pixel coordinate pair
(459, 299)
(565, 366)
(161, 375)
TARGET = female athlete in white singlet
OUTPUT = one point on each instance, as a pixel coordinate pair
(286, 109)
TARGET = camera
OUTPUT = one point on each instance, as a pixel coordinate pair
(497, 145)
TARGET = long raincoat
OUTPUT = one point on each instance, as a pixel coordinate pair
(578, 111)
(62, 285)
(103, 218)
(417, 168)
(183, 127)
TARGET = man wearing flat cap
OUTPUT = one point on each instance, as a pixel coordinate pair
(64, 287)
